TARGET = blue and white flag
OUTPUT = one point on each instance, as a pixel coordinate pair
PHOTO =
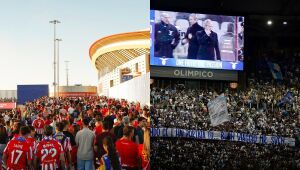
(275, 70)
(287, 98)
(221, 135)
(218, 110)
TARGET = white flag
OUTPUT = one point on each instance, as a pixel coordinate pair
(218, 110)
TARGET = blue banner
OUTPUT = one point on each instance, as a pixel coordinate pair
(225, 65)
(287, 98)
(221, 135)
(26, 93)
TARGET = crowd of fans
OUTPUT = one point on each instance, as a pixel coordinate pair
(254, 110)
(288, 60)
(261, 108)
(76, 133)
(8, 99)
(206, 154)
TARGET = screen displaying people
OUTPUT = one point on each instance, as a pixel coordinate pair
(166, 37)
(208, 42)
(191, 36)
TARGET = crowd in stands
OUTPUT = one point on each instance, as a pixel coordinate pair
(8, 100)
(254, 110)
(180, 153)
(76, 133)
(261, 108)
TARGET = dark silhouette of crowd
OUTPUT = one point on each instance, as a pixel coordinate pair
(181, 153)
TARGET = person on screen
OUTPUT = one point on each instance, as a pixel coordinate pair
(241, 36)
(190, 37)
(208, 43)
(166, 37)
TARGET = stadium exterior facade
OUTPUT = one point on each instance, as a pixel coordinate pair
(122, 63)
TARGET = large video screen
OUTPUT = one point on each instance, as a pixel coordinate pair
(195, 40)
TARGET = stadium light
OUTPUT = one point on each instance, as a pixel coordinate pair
(54, 22)
(67, 72)
(269, 22)
(284, 23)
(58, 40)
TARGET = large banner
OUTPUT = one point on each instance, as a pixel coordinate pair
(26, 93)
(7, 105)
(221, 135)
(218, 110)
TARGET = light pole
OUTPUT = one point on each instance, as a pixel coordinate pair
(54, 22)
(67, 72)
(58, 40)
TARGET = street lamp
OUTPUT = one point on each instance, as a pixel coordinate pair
(58, 40)
(67, 72)
(54, 22)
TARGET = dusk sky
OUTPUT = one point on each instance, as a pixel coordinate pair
(26, 37)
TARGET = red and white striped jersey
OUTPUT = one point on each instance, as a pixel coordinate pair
(18, 151)
(39, 124)
(48, 151)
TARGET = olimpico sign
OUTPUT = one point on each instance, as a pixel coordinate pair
(193, 73)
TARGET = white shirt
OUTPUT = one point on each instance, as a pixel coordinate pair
(71, 110)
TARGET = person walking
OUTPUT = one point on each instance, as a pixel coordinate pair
(85, 142)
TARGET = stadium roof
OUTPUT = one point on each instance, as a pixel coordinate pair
(114, 50)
